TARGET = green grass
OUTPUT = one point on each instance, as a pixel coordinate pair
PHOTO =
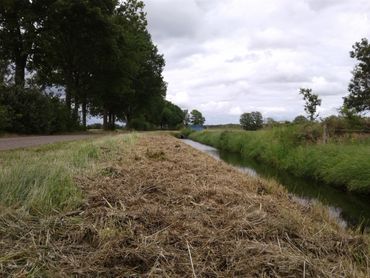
(345, 163)
(41, 180)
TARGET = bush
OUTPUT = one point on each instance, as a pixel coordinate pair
(29, 111)
(4, 118)
(139, 124)
(300, 120)
(185, 132)
(95, 126)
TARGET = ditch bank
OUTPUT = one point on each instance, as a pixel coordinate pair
(161, 208)
(343, 164)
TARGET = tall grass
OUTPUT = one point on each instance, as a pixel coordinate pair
(41, 180)
(344, 163)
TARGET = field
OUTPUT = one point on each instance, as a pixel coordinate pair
(343, 162)
(148, 205)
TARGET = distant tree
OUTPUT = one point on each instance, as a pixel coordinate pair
(300, 119)
(196, 118)
(359, 87)
(172, 116)
(251, 121)
(270, 121)
(312, 101)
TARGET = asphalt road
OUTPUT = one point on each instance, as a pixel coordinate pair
(32, 141)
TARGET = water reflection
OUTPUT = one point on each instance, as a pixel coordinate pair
(353, 208)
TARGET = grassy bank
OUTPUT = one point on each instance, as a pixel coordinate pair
(151, 206)
(342, 162)
(41, 180)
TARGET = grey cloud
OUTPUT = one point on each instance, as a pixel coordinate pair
(237, 55)
(173, 19)
(318, 5)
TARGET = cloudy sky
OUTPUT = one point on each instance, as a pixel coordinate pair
(226, 57)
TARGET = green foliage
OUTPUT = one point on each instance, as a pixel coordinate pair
(172, 116)
(18, 32)
(196, 118)
(251, 121)
(224, 126)
(4, 118)
(185, 132)
(311, 103)
(30, 111)
(95, 126)
(99, 53)
(270, 122)
(295, 149)
(359, 90)
(140, 123)
(300, 119)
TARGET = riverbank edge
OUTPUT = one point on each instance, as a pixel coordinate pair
(151, 205)
(300, 161)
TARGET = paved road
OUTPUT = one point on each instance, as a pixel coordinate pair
(31, 141)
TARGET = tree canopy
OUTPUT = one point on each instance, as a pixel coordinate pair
(251, 121)
(196, 117)
(311, 102)
(98, 54)
(359, 87)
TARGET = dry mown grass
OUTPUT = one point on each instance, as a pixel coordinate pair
(164, 209)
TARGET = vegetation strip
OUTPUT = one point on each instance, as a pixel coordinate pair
(165, 209)
(344, 162)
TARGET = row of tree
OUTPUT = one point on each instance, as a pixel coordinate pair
(98, 55)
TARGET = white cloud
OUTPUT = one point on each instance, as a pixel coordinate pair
(228, 57)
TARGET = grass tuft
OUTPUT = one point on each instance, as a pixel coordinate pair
(41, 180)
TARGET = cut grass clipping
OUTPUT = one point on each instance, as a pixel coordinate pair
(41, 180)
(163, 209)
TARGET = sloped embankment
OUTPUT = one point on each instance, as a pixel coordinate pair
(165, 209)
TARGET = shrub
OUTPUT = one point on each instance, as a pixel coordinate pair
(139, 124)
(4, 118)
(31, 111)
(185, 132)
(95, 126)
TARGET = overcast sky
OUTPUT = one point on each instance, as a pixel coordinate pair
(226, 57)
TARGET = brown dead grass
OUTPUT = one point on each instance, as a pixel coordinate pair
(164, 209)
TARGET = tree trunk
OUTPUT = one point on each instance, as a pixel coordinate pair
(113, 122)
(20, 68)
(75, 109)
(68, 99)
(105, 120)
(128, 119)
(84, 112)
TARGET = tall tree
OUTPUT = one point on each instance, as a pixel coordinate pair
(251, 121)
(18, 26)
(359, 87)
(172, 116)
(311, 102)
(76, 38)
(196, 117)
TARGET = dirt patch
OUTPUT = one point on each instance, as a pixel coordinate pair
(164, 209)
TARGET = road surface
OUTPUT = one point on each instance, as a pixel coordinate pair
(31, 141)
